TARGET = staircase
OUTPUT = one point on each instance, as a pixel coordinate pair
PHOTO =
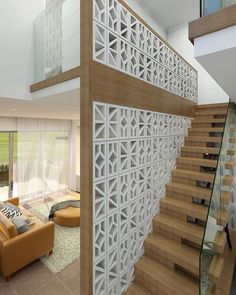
(170, 265)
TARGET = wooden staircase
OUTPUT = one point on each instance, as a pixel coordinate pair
(170, 265)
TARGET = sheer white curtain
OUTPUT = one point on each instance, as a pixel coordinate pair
(43, 157)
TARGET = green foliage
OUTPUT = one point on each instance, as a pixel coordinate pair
(4, 173)
(4, 147)
(4, 169)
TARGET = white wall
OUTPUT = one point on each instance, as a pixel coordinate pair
(209, 90)
(149, 20)
(7, 124)
(16, 46)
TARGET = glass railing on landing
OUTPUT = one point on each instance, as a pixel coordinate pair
(217, 219)
(56, 39)
(211, 6)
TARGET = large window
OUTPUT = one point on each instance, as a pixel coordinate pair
(35, 160)
(43, 157)
(8, 156)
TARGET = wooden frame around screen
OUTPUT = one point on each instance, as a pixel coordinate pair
(101, 83)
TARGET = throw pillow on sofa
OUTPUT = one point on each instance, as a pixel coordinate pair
(21, 224)
(10, 211)
(7, 227)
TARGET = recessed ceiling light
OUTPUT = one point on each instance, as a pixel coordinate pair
(12, 109)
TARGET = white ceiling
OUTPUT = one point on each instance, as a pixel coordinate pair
(171, 13)
(59, 106)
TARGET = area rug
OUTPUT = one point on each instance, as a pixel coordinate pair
(67, 240)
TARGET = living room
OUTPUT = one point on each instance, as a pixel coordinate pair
(40, 147)
(39, 169)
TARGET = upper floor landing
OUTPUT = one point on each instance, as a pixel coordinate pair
(214, 38)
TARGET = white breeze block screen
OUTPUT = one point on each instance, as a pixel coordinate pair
(121, 41)
(134, 152)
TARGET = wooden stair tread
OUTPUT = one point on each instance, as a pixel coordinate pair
(161, 280)
(135, 289)
(190, 209)
(232, 140)
(197, 161)
(213, 105)
(185, 230)
(204, 150)
(215, 139)
(180, 254)
(219, 242)
(228, 177)
(204, 120)
(231, 152)
(224, 285)
(214, 292)
(216, 268)
(202, 176)
(194, 191)
(227, 180)
(229, 165)
(211, 112)
(225, 197)
(222, 217)
(206, 129)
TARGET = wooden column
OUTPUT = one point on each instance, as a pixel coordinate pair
(86, 228)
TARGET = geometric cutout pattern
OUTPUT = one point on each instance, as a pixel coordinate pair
(121, 41)
(112, 161)
(112, 229)
(99, 44)
(112, 117)
(100, 161)
(134, 152)
(99, 277)
(99, 115)
(99, 8)
(113, 271)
